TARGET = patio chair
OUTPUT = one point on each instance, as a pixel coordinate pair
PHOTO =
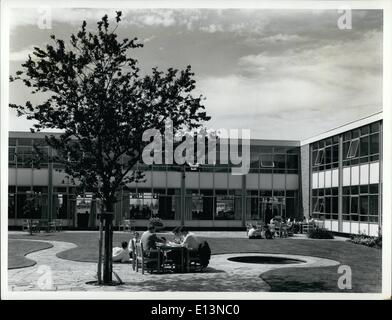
(133, 254)
(307, 227)
(193, 260)
(36, 225)
(25, 225)
(290, 230)
(55, 225)
(143, 261)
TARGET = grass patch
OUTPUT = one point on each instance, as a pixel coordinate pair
(17, 249)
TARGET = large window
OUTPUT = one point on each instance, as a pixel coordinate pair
(361, 145)
(325, 154)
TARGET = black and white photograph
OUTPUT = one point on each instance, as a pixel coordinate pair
(195, 150)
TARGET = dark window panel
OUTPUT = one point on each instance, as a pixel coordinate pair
(354, 205)
(364, 189)
(355, 133)
(375, 127)
(374, 144)
(335, 153)
(353, 149)
(364, 130)
(364, 146)
(363, 205)
(373, 205)
(373, 188)
(354, 189)
(347, 136)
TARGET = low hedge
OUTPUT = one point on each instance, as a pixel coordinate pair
(320, 233)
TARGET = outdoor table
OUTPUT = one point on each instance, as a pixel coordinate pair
(166, 247)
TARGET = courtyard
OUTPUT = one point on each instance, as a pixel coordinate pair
(70, 259)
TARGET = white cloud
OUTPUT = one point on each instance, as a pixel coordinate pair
(320, 83)
(212, 28)
(21, 55)
(282, 38)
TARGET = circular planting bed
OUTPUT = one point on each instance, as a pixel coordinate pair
(265, 260)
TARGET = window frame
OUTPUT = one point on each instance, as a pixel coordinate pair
(349, 156)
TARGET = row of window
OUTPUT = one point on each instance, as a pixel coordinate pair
(355, 208)
(359, 146)
(354, 190)
(145, 206)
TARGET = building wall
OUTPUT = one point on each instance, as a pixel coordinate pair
(210, 197)
(305, 180)
(346, 180)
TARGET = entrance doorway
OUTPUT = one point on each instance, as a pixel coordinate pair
(266, 204)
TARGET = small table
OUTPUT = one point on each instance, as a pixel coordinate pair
(165, 247)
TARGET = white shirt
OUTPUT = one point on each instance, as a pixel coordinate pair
(191, 241)
(252, 232)
(120, 254)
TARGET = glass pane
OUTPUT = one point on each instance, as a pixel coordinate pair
(373, 205)
(364, 146)
(334, 204)
(375, 127)
(374, 144)
(292, 161)
(335, 153)
(328, 155)
(354, 205)
(352, 151)
(266, 161)
(364, 130)
(364, 205)
(373, 188)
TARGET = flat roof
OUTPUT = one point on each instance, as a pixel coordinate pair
(254, 142)
(343, 128)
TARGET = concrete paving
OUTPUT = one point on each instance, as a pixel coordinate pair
(55, 274)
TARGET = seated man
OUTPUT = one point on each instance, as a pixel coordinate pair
(121, 254)
(254, 233)
(189, 240)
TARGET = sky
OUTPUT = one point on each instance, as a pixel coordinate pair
(283, 74)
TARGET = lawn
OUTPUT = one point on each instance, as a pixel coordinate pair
(17, 249)
(365, 262)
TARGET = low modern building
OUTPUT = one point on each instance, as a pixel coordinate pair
(335, 177)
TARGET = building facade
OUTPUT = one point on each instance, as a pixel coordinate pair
(335, 178)
(344, 188)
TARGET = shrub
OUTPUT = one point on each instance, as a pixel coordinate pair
(320, 233)
(370, 241)
(155, 221)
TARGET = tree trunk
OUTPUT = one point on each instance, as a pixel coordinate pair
(108, 265)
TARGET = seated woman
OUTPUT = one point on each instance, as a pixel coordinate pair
(121, 254)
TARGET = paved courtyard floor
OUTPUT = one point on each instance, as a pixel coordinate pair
(53, 273)
(66, 260)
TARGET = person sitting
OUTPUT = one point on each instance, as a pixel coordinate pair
(177, 235)
(189, 240)
(121, 254)
(149, 240)
(254, 233)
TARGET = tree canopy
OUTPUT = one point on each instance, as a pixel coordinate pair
(94, 92)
